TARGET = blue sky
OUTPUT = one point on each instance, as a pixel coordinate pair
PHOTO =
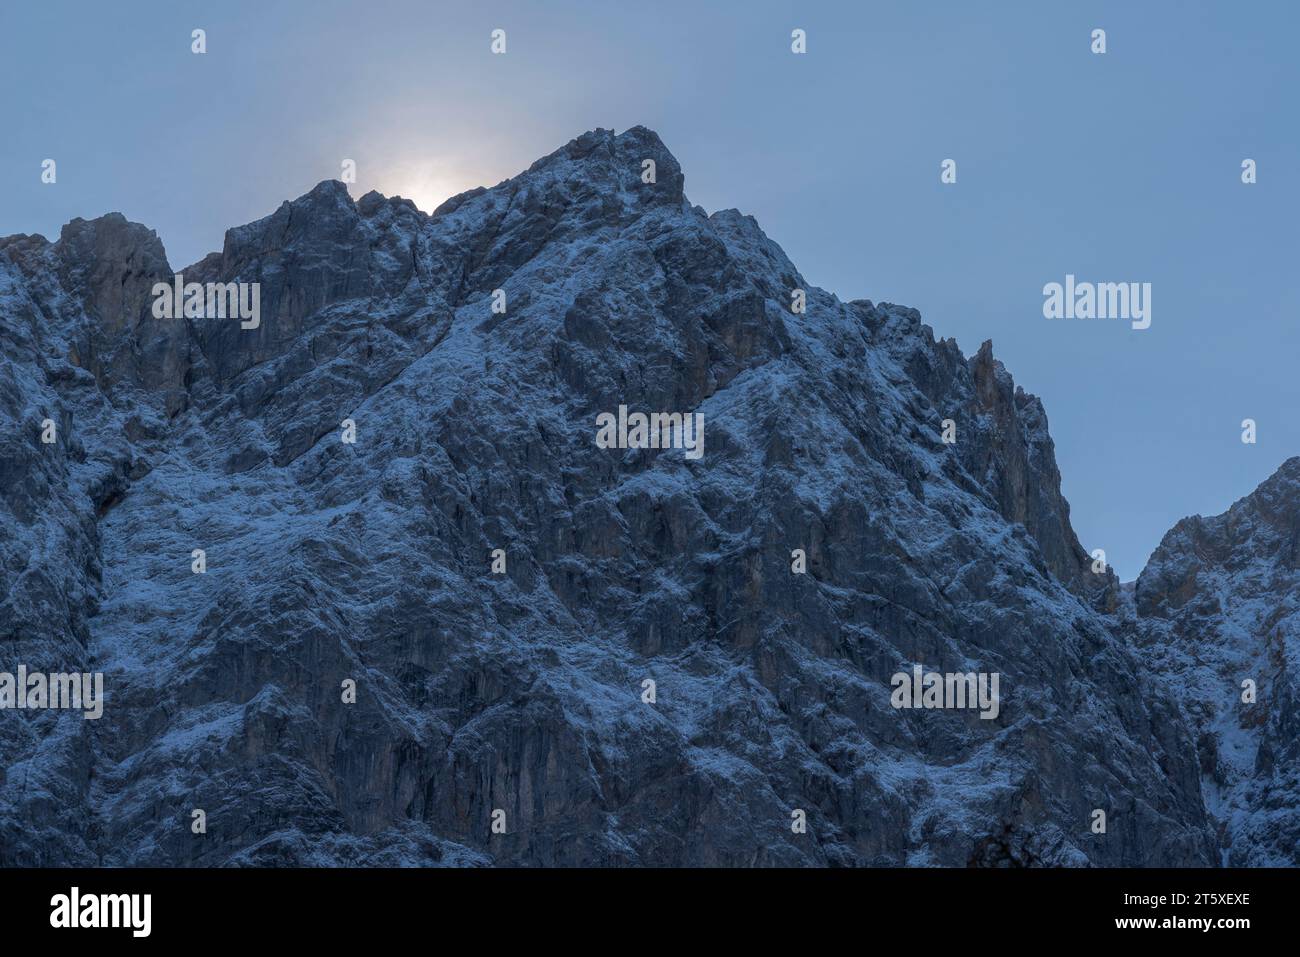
(1118, 167)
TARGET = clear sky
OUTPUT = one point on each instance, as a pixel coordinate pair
(1124, 166)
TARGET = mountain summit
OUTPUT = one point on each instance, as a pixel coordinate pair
(435, 622)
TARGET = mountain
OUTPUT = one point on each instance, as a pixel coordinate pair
(522, 698)
(1218, 605)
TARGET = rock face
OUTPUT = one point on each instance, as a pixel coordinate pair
(1217, 606)
(525, 692)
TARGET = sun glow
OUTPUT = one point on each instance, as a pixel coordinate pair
(427, 187)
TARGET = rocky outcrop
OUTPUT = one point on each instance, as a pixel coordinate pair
(1216, 612)
(526, 692)
(104, 270)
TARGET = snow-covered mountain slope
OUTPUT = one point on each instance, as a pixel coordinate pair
(1218, 615)
(524, 692)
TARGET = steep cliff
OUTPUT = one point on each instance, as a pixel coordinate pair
(1217, 614)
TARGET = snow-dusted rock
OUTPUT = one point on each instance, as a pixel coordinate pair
(1217, 606)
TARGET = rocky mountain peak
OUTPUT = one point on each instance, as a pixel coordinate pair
(1218, 616)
